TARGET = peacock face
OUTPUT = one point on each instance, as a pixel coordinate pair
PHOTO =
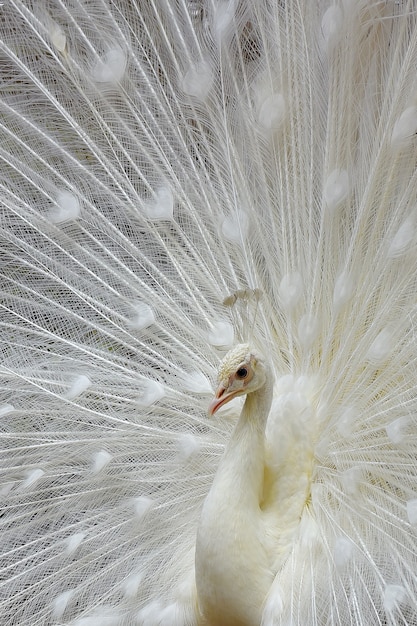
(241, 372)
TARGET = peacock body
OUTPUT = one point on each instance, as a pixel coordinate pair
(157, 157)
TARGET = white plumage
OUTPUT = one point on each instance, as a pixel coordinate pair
(234, 554)
(157, 157)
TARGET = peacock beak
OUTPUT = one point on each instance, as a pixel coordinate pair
(220, 399)
(217, 401)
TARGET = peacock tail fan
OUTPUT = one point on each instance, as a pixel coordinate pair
(157, 157)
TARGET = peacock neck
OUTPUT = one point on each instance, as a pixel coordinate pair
(256, 408)
(241, 469)
(232, 565)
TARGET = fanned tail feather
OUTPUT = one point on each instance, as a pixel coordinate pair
(156, 157)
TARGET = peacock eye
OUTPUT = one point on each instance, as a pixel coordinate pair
(242, 372)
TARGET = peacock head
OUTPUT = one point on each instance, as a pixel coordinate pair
(242, 371)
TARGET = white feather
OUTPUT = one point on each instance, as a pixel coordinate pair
(155, 158)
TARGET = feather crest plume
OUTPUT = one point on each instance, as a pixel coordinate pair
(155, 157)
